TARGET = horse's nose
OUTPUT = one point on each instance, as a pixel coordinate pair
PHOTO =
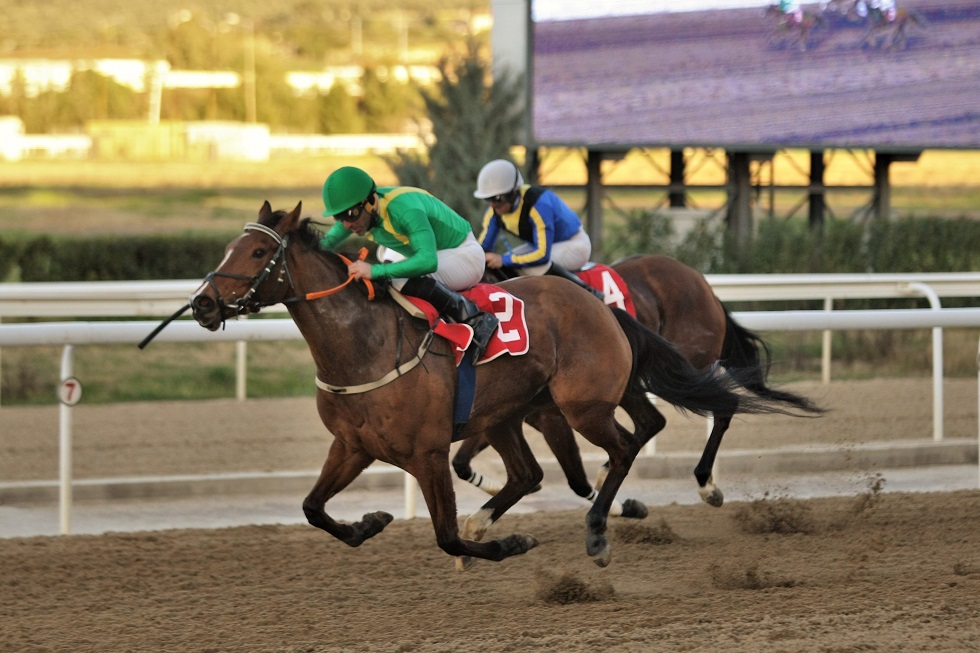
(202, 303)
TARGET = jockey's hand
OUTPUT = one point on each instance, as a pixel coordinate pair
(494, 261)
(359, 270)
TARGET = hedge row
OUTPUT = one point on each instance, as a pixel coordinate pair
(779, 246)
(109, 258)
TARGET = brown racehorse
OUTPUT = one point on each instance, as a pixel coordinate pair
(793, 30)
(583, 358)
(676, 301)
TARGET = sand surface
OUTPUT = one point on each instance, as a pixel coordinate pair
(870, 572)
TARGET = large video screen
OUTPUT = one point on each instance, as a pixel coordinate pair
(749, 75)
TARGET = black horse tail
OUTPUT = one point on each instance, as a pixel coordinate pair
(748, 358)
(661, 369)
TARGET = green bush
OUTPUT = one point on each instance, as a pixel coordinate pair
(114, 258)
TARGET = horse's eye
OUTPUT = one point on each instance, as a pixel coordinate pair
(259, 253)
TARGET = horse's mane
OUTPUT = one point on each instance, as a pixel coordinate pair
(308, 234)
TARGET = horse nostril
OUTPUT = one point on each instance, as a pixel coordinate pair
(202, 302)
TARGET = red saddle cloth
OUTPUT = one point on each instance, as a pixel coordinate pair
(603, 277)
(511, 337)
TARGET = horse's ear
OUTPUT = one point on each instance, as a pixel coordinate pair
(299, 208)
(266, 210)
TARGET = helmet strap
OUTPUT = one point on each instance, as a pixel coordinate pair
(371, 206)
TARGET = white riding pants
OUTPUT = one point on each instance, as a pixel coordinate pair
(460, 268)
(571, 254)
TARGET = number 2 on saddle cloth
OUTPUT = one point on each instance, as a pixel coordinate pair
(511, 337)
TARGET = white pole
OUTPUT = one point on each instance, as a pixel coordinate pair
(64, 447)
(241, 367)
(650, 448)
(937, 359)
(710, 421)
(411, 489)
(828, 305)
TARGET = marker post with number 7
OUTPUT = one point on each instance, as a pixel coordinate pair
(69, 394)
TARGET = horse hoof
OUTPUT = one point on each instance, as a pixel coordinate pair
(373, 523)
(603, 557)
(463, 563)
(712, 496)
(633, 509)
(517, 544)
(536, 488)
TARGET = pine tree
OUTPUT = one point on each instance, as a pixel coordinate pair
(474, 119)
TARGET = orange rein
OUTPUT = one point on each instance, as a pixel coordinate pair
(330, 291)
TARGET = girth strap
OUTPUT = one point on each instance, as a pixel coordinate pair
(386, 379)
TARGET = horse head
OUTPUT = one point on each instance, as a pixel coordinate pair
(253, 272)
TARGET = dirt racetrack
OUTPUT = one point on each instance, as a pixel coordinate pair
(873, 572)
(877, 572)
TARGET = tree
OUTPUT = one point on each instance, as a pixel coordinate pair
(474, 119)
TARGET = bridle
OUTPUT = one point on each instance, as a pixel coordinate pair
(246, 304)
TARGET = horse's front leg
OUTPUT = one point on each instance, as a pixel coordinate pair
(431, 470)
(342, 466)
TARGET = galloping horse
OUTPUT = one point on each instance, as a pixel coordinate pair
(792, 30)
(583, 358)
(891, 32)
(676, 301)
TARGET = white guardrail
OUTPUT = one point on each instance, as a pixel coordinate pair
(162, 298)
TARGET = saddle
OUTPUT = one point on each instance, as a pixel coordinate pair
(511, 337)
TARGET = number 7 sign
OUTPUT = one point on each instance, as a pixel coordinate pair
(70, 391)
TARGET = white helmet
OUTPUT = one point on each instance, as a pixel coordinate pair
(498, 177)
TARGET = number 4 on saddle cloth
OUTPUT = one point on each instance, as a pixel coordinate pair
(602, 277)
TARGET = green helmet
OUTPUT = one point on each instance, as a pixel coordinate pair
(344, 188)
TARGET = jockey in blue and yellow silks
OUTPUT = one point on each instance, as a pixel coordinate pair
(554, 240)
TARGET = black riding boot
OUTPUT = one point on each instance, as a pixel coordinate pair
(559, 271)
(454, 305)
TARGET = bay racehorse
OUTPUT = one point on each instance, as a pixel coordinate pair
(386, 386)
(676, 301)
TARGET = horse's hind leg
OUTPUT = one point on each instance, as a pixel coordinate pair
(524, 476)
(598, 425)
(647, 423)
(342, 466)
(709, 492)
(561, 439)
(465, 454)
